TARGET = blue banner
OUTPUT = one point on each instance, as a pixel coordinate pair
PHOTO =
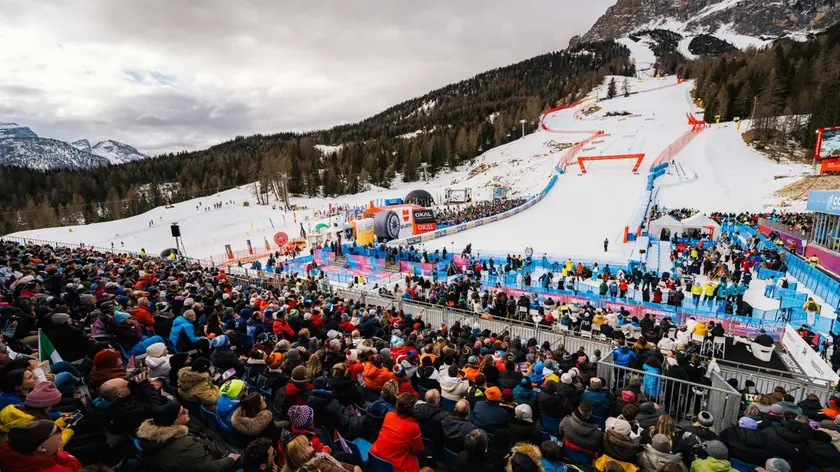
(824, 201)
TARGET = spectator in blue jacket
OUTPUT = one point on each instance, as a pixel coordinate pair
(536, 376)
(624, 356)
(652, 384)
(231, 392)
(594, 395)
(183, 337)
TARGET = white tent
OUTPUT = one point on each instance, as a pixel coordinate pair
(702, 222)
(664, 222)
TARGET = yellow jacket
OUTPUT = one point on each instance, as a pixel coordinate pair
(12, 416)
(700, 329)
(710, 289)
(598, 319)
(696, 289)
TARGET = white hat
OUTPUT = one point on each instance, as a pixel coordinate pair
(332, 334)
(523, 412)
(156, 350)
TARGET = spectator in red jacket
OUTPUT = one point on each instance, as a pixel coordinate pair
(35, 447)
(142, 314)
(399, 441)
(281, 327)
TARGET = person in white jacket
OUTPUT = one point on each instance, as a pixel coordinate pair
(157, 360)
(452, 385)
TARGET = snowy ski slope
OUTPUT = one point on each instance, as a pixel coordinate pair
(572, 220)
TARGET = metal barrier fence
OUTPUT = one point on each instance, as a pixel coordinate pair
(797, 385)
(681, 399)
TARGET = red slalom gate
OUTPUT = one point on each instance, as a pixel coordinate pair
(639, 158)
(570, 153)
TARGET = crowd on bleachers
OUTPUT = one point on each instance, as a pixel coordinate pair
(447, 216)
(166, 366)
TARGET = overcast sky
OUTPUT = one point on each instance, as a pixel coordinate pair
(167, 75)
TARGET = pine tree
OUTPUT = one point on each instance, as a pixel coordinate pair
(626, 87)
(611, 90)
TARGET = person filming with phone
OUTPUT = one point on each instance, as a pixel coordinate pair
(128, 401)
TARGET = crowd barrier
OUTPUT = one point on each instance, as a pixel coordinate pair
(420, 238)
(681, 399)
(823, 285)
(674, 148)
(791, 238)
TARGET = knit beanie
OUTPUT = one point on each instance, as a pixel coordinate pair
(44, 394)
(747, 422)
(156, 350)
(60, 318)
(717, 450)
(299, 376)
(202, 364)
(25, 439)
(106, 359)
(661, 443)
(301, 416)
(232, 388)
(165, 415)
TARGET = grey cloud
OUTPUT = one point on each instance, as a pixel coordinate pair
(338, 61)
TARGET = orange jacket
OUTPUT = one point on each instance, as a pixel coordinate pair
(399, 442)
(142, 316)
(470, 372)
(376, 377)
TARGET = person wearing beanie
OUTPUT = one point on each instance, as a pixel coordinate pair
(230, 394)
(789, 439)
(488, 414)
(330, 413)
(775, 465)
(295, 392)
(34, 446)
(157, 360)
(745, 443)
(223, 357)
(618, 445)
(107, 365)
(168, 445)
(72, 342)
(38, 405)
(195, 384)
(717, 460)
(375, 374)
(658, 453)
(403, 380)
(524, 394)
(523, 427)
(830, 428)
(525, 457)
(551, 403)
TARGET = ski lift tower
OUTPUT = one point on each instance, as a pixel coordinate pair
(423, 167)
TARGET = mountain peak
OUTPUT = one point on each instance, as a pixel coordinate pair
(116, 152)
(81, 144)
(774, 18)
(14, 130)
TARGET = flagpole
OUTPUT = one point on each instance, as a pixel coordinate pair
(39, 345)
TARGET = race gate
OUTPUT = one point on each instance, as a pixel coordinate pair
(639, 158)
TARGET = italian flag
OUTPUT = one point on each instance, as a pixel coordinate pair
(46, 351)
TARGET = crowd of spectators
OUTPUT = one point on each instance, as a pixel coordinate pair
(168, 366)
(447, 216)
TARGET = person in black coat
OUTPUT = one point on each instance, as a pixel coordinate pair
(427, 375)
(522, 426)
(788, 440)
(551, 403)
(345, 388)
(430, 416)
(329, 412)
(820, 453)
(747, 444)
(456, 427)
(811, 406)
(489, 415)
(131, 403)
(510, 378)
(72, 343)
(567, 390)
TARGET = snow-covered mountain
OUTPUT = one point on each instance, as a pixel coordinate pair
(20, 146)
(116, 152)
(761, 19)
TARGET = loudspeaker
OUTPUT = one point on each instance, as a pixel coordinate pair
(176, 230)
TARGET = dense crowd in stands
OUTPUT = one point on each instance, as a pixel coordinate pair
(170, 367)
(475, 211)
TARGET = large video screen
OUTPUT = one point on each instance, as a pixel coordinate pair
(829, 145)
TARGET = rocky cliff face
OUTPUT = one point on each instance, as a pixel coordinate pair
(756, 18)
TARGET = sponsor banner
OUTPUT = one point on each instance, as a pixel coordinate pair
(806, 357)
(617, 306)
(281, 238)
(424, 216)
(228, 251)
(461, 262)
(250, 249)
(393, 201)
(658, 312)
(824, 201)
(417, 268)
(830, 165)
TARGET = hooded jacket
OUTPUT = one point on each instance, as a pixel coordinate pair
(523, 395)
(13, 461)
(747, 445)
(430, 417)
(158, 366)
(489, 416)
(329, 413)
(530, 452)
(399, 442)
(454, 432)
(624, 356)
(182, 333)
(788, 440)
(620, 448)
(580, 433)
(553, 405)
(347, 391)
(521, 430)
(198, 387)
(174, 449)
(251, 426)
(453, 388)
(820, 453)
(711, 464)
(376, 377)
(649, 459)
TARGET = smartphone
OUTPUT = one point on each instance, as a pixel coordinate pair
(229, 373)
(141, 363)
(133, 373)
(75, 420)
